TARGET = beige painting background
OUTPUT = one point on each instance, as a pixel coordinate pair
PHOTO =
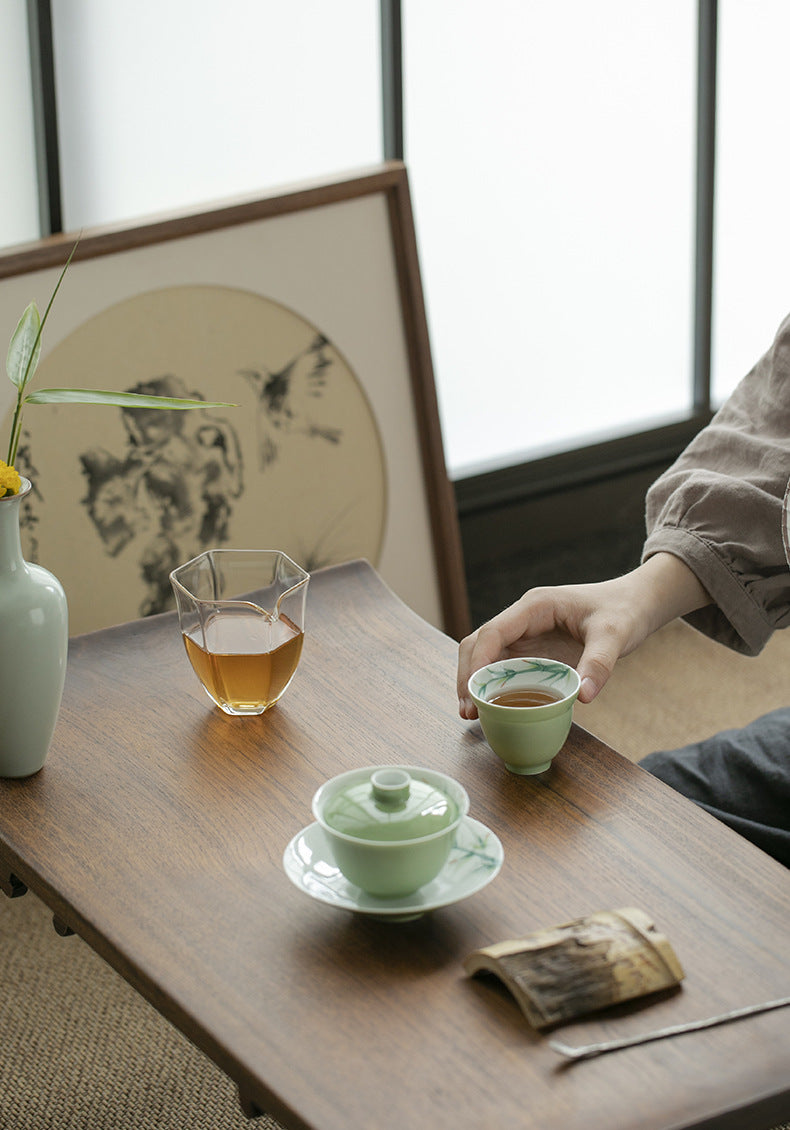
(296, 465)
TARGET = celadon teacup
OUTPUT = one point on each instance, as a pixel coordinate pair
(526, 738)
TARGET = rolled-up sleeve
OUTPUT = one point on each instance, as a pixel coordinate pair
(720, 507)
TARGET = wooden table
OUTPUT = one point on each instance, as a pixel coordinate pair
(156, 831)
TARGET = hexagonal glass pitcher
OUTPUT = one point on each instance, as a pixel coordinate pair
(241, 613)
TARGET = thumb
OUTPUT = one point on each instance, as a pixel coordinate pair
(588, 689)
(594, 671)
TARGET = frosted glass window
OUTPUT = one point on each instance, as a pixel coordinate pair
(165, 104)
(551, 153)
(19, 221)
(751, 290)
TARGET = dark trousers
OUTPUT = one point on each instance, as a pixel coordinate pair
(740, 776)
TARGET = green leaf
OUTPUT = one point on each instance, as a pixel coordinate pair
(24, 348)
(119, 399)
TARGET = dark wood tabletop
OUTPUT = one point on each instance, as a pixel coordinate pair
(156, 831)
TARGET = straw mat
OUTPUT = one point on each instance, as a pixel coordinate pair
(81, 1050)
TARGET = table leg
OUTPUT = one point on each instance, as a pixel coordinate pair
(14, 887)
(10, 885)
(248, 1106)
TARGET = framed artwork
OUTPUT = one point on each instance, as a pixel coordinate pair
(303, 309)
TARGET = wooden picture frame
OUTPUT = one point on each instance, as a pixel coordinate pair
(340, 254)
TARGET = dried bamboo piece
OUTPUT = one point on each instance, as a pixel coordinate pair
(582, 966)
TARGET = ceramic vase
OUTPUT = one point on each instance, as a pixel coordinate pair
(34, 645)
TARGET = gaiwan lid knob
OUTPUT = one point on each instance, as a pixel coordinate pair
(390, 805)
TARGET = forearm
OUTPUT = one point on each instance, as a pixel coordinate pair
(663, 588)
(623, 612)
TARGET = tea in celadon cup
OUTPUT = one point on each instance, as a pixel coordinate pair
(525, 706)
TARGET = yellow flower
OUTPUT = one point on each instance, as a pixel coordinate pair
(10, 481)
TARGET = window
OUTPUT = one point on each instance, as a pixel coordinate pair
(564, 226)
(752, 250)
(551, 153)
(19, 221)
(171, 103)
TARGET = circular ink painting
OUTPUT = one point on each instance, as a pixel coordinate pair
(122, 496)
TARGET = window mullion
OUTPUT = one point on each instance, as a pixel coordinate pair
(42, 73)
(705, 190)
(392, 78)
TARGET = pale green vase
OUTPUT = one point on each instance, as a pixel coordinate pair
(34, 641)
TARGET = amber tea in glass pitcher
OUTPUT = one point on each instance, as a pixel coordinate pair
(241, 614)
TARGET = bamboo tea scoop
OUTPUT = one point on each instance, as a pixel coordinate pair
(587, 1051)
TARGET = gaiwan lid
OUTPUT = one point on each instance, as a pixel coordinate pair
(390, 805)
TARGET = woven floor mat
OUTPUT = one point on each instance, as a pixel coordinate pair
(81, 1050)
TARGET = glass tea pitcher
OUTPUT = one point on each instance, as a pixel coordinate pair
(241, 613)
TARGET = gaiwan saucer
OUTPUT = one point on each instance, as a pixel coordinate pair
(475, 859)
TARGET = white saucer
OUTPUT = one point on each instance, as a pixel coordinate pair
(475, 859)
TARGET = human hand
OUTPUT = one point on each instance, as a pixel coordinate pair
(570, 623)
(588, 626)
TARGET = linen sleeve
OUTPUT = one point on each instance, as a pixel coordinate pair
(720, 507)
